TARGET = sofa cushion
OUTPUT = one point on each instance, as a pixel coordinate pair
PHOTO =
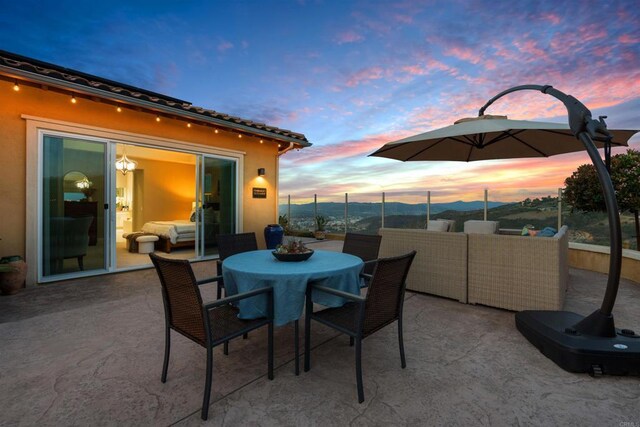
(561, 232)
(481, 227)
(437, 225)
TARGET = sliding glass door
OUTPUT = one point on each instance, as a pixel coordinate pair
(73, 207)
(90, 214)
(218, 201)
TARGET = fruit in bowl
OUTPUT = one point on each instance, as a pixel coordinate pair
(292, 247)
(293, 250)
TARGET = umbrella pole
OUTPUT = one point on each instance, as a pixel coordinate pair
(576, 343)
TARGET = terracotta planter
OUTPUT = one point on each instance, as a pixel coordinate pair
(12, 282)
(320, 235)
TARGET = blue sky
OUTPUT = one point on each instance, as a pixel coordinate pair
(352, 75)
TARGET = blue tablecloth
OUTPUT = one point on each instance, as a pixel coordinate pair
(257, 269)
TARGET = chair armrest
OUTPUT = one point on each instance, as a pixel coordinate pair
(209, 280)
(342, 294)
(371, 261)
(238, 297)
(366, 276)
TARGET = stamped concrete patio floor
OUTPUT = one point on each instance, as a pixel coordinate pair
(89, 352)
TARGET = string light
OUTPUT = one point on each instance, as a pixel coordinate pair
(16, 86)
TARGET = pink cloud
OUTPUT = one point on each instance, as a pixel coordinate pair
(373, 24)
(551, 18)
(415, 70)
(404, 19)
(345, 149)
(224, 45)
(364, 75)
(471, 55)
(430, 66)
(569, 42)
(349, 37)
(463, 53)
(629, 39)
(531, 48)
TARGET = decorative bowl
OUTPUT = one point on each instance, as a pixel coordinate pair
(293, 257)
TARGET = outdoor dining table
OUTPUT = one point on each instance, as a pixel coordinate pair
(256, 269)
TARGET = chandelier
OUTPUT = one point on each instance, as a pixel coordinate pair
(124, 164)
(84, 183)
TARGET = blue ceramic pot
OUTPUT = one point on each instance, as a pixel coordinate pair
(273, 235)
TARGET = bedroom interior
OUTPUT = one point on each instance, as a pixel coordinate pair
(159, 198)
(162, 188)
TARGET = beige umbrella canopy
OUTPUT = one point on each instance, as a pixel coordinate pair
(492, 137)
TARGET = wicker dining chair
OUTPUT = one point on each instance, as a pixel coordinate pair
(231, 244)
(365, 247)
(208, 325)
(362, 316)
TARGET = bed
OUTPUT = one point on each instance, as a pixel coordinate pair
(173, 234)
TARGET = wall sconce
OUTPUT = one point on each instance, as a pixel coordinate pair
(261, 172)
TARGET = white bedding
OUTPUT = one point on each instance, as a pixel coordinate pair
(173, 230)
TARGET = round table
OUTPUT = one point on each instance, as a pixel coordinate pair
(256, 269)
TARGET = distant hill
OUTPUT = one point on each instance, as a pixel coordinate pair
(585, 227)
(332, 209)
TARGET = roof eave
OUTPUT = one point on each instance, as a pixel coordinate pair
(86, 90)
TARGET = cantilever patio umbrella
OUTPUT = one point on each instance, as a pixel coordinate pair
(491, 137)
(574, 342)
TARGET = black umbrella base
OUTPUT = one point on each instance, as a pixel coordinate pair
(553, 334)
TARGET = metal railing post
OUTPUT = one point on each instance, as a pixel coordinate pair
(289, 212)
(315, 211)
(382, 213)
(346, 212)
(486, 203)
(559, 208)
(428, 208)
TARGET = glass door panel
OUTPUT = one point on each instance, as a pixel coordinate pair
(219, 212)
(73, 200)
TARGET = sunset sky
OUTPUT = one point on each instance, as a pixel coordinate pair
(353, 75)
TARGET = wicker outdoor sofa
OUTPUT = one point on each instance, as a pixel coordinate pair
(440, 265)
(510, 272)
(518, 272)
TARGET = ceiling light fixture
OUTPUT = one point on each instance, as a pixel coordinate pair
(118, 109)
(239, 135)
(73, 99)
(188, 125)
(216, 130)
(84, 183)
(157, 118)
(124, 164)
(16, 87)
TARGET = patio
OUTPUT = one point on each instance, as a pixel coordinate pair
(89, 352)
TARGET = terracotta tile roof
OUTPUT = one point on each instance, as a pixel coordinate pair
(109, 87)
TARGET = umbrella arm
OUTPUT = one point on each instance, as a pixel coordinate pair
(585, 128)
